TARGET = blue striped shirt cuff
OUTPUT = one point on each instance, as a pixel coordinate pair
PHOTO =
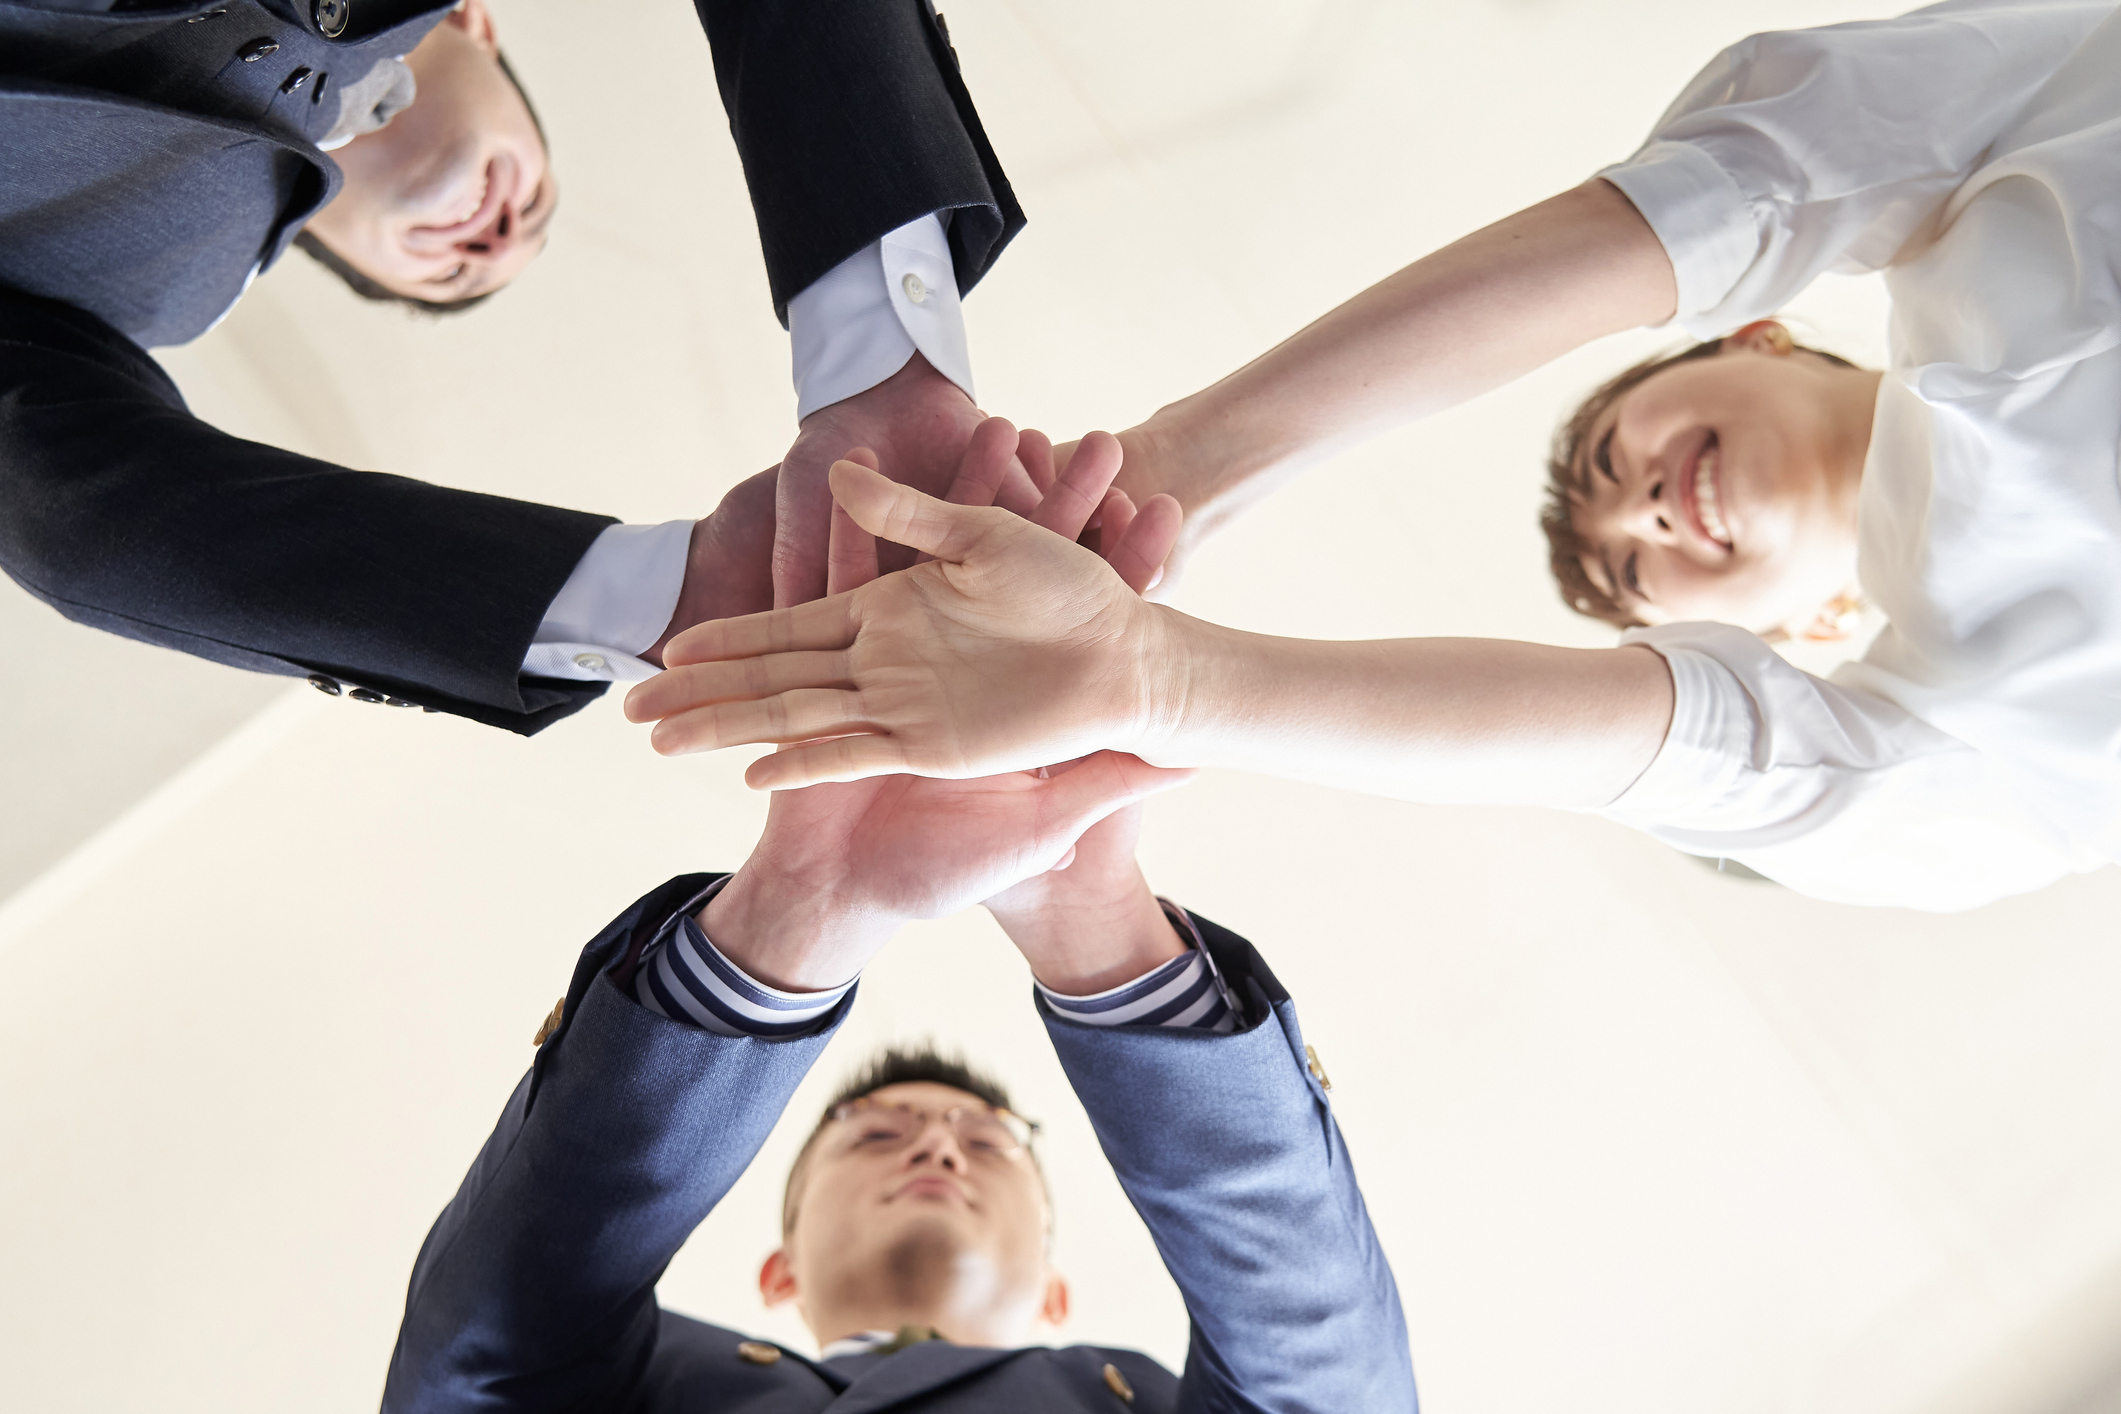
(1185, 992)
(683, 976)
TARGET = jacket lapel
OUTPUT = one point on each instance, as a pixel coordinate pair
(894, 1379)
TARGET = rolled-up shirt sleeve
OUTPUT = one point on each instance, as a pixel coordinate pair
(1834, 791)
(1808, 152)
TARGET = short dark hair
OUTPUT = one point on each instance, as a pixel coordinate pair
(360, 283)
(896, 1066)
(1566, 546)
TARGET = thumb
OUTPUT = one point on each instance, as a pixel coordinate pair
(905, 516)
(1104, 782)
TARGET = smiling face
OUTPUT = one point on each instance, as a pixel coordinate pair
(1724, 488)
(924, 1222)
(448, 200)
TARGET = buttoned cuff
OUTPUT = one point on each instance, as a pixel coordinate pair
(614, 606)
(864, 318)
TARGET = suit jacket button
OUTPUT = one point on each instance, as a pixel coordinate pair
(331, 16)
(328, 686)
(365, 694)
(550, 1024)
(757, 1353)
(257, 49)
(1117, 1383)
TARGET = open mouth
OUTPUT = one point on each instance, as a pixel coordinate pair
(478, 209)
(1704, 494)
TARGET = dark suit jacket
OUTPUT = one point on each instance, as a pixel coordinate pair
(147, 166)
(536, 1289)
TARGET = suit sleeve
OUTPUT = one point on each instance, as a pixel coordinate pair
(535, 1291)
(124, 512)
(852, 119)
(1228, 1148)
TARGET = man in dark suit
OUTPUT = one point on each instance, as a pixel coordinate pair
(915, 1220)
(155, 157)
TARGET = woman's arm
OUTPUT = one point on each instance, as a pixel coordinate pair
(1440, 720)
(1470, 317)
(1016, 648)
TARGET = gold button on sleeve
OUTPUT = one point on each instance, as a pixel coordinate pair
(551, 1022)
(758, 1353)
(1118, 1383)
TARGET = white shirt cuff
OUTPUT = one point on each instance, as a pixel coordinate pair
(1703, 221)
(860, 322)
(614, 606)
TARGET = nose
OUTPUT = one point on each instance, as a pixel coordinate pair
(936, 1144)
(1639, 510)
(498, 236)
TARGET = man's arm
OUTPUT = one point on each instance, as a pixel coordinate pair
(536, 1289)
(123, 511)
(1227, 1146)
(1186, 1053)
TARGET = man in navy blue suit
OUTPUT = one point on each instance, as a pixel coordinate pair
(915, 1223)
(913, 1236)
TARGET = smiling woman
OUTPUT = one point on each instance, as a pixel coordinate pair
(1743, 490)
(449, 199)
(1649, 474)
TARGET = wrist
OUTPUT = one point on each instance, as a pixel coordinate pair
(1170, 650)
(1080, 946)
(790, 935)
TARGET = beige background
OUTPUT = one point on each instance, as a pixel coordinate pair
(1637, 1138)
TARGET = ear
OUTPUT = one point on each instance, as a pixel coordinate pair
(777, 1278)
(1765, 336)
(476, 20)
(1835, 622)
(1054, 1309)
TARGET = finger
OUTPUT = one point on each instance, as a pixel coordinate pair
(1106, 782)
(850, 559)
(985, 464)
(1035, 450)
(1018, 495)
(1138, 557)
(1113, 518)
(802, 523)
(819, 624)
(984, 467)
(1080, 489)
(802, 714)
(905, 516)
(676, 690)
(847, 758)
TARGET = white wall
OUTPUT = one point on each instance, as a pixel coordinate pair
(1637, 1138)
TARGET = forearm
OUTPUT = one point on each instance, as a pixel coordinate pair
(1461, 321)
(1438, 720)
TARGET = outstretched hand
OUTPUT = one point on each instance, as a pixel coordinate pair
(1015, 647)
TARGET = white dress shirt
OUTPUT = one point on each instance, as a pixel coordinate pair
(1972, 150)
(856, 326)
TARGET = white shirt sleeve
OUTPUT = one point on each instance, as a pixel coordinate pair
(1833, 791)
(614, 606)
(852, 329)
(860, 322)
(1805, 152)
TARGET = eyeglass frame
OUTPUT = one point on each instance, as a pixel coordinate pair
(1022, 1131)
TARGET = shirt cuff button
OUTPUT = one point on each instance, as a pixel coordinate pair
(590, 662)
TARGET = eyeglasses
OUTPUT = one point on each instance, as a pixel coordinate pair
(885, 1128)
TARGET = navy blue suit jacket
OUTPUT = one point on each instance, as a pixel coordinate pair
(535, 1291)
(152, 157)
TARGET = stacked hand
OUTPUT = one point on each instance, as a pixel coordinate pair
(840, 867)
(1013, 648)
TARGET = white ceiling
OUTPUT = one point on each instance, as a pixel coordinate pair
(1637, 1138)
